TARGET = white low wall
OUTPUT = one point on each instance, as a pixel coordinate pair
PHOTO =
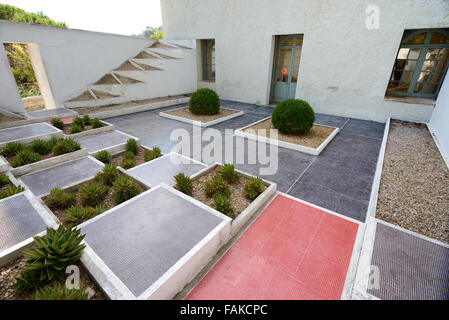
(72, 59)
(439, 124)
(345, 68)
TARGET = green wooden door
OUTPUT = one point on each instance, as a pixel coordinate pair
(286, 67)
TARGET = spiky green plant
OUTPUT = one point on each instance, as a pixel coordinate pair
(152, 154)
(78, 121)
(76, 213)
(58, 292)
(96, 123)
(183, 183)
(132, 146)
(108, 175)
(87, 120)
(228, 173)
(253, 188)
(26, 156)
(41, 147)
(55, 122)
(59, 199)
(12, 148)
(11, 190)
(223, 204)
(128, 163)
(28, 280)
(104, 156)
(125, 188)
(217, 185)
(4, 180)
(53, 252)
(74, 128)
(92, 194)
(66, 145)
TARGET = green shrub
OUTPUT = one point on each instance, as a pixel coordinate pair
(96, 123)
(228, 173)
(53, 252)
(293, 117)
(28, 280)
(92, 194)
(183, 183)
(66, 145)
(125, 188)
(128, 163)
(253, 188)
(12, 148)
(58, 292)
(109, 174)
(26, 156)
(58, 199)
(11, 190)
(4, 180)
(74, 128)
(79, 122)
(55, 122)
(79, 213)
(40, 146)
(129, 155)
(217, 185)
(131, 146)
(152, 154)
(223, 204)
(204, 101)
(104, 156)
(86, 120)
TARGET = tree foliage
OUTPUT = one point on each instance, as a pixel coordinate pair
(152, 33)
(12, 13)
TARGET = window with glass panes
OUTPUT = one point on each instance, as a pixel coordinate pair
(208, 59)
(421, 63)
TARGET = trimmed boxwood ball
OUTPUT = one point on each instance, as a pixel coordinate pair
(204, 101)
(293, 117)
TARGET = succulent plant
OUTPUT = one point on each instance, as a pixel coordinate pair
(58, 292)
(92, 194)
(12, 148)
(78, 121)
(104, 156)
(53, 252)
(228, 173)
(4, 180)
(128, 163)
(59, 199)
(66, 145)
(26, 156)
(86, 120)
(253, 188)
(74, 128)
(217, 185)
(132, 146)
(40, 146)
(125, 188)
(96, 123)
(183, 183)
(108, 175)
(223, 204)
(55, 122)
(11, 190)
(152, 154)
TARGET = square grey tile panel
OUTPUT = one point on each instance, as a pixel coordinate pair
(410, 268)
(102, 141)
(18, 221)
(68, 173)
(52, 113)
(163, 169)
(141, 240)
(27, 131)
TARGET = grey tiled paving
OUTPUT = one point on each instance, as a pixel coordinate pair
(27, 131)
(52, 113)
(140, 241)
(18, 221)
(163, 169)
(410, 268)
(102, 141)
(68, 173)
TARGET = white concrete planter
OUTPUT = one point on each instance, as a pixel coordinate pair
(107, 127)
(48, 136)
(4, 165)
(145, 107)
(199, 123)
(19, 171)
(287, 145)
(257, 203)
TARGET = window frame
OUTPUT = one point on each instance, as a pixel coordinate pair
(208, 47)
(423, 49)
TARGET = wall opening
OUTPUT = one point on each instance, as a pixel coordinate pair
(29, 74)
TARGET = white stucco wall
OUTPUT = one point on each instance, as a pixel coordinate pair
(75, 58)
(439, 124)
(344, 68)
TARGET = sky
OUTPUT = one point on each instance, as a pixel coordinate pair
(121, 17)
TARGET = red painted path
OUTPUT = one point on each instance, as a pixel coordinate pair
(292, 251)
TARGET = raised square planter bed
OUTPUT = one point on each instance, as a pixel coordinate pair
(111, 141)
(117, 158)
(27, 133)
(163, 239)
(244, 208)
(184, 115)
(88, 130)
(312, 143)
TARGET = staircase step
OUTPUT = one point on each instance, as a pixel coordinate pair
(157, 64)
(100, 94)
(127, 66)
(107, 79)
(112, 89)
(84, 96)
(129, 77)
(146, 55)
(166, 53)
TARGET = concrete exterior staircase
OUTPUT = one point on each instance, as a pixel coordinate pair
(118, 85)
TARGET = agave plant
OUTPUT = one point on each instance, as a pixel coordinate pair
(58, 292)
(54, 252)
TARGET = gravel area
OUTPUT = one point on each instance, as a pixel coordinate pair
(185, 113)
(140, 157)
(10, 272)
(314, 138)
(414, 188)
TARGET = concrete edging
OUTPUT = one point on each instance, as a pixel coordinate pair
(199, 123)
(255, 205)
(4, 165)
(46, 163)
(288, 145)
(106, 128)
